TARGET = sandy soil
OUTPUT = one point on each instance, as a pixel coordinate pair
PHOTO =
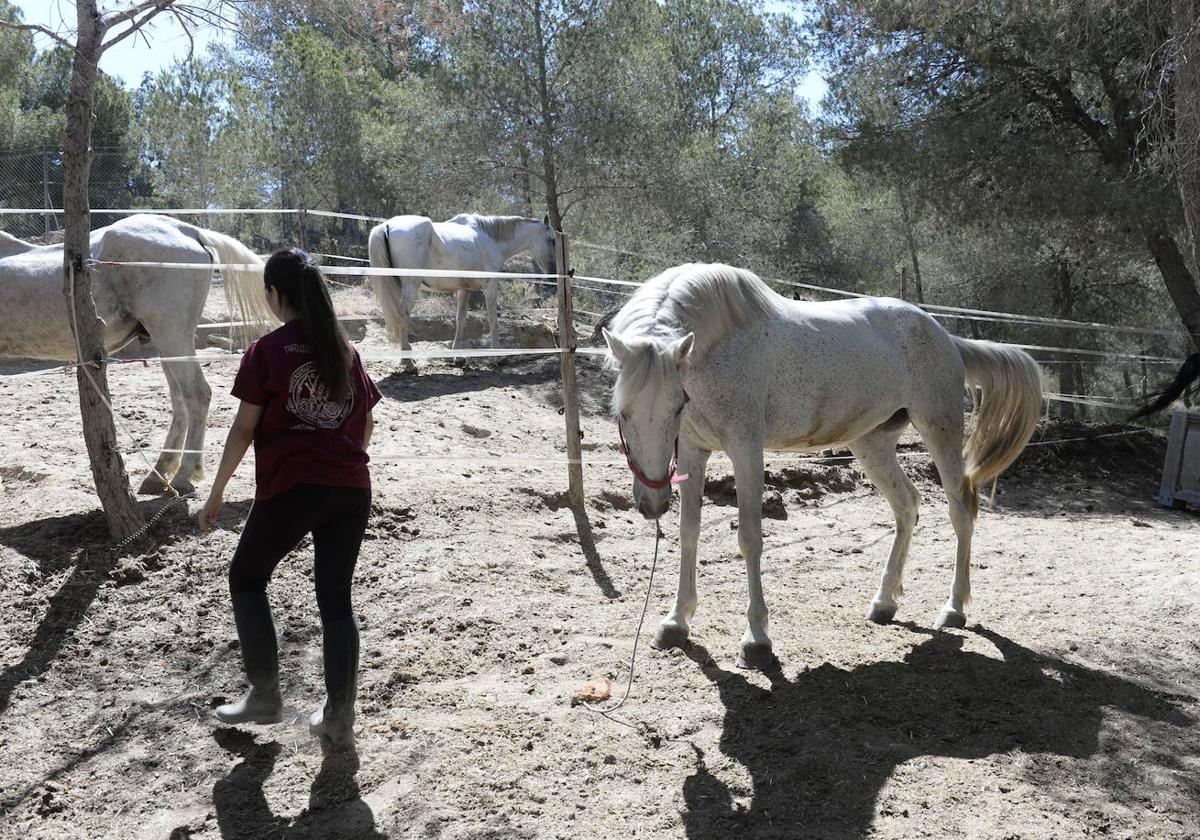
(1069, 710)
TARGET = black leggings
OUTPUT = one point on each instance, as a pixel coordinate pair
(335, 516)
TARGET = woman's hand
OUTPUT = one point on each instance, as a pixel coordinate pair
(241, 434)
(208, 514)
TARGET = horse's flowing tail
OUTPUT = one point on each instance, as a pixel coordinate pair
(389, 291)
(1011, 382)
(1188, 373)
(244, 291)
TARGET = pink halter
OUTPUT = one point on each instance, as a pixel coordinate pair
(671, 477)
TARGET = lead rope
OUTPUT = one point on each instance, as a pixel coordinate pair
(607, 712)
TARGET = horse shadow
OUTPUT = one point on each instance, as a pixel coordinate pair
(819, 748)
(335, 807)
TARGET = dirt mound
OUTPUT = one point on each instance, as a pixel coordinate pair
(798, 484)
(1087, 451)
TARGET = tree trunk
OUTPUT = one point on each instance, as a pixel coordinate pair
(546, 134)
(108, 469)
(1069, 373)
(1181, 286)
(1187, 156)
(911, 238)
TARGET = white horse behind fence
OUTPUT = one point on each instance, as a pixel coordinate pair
(10, 245)
(710, 358)
(466, 242)
(163, 305)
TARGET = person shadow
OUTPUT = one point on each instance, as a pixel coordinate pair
(819, 748)
(335, 806)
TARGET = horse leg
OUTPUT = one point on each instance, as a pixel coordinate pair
(159, 478)
(748, 477)
(198, 396)
(876, 454)
(409, 288)
(463, 298)
(190, 397)
(944, 441)
(490, 295)
(674, 629)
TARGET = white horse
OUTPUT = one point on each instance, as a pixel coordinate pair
(710, 358)
(10, 245)
(163, 305)
(468, 242)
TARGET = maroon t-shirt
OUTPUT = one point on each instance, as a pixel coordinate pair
(303, 435)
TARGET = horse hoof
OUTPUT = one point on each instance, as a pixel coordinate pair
(670, 636)
(757, 656)
(410, 370)
(152, 485)
(950, 618)
(882, 613)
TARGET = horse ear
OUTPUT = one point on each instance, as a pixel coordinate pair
(683, 349)
(546, 220)
(619, 349)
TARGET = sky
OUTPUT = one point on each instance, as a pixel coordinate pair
(133, 57)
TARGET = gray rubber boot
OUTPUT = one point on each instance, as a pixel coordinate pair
(334, 724)
(260, 657)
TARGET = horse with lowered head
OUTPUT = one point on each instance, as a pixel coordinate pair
(710, 358)
(467, 242)
(162, 305)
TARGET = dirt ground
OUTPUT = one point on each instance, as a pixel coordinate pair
(1068, 707)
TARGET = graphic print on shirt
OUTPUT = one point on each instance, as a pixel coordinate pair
(309, 401)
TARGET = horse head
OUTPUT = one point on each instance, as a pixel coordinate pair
(648, 403)
(541, 248)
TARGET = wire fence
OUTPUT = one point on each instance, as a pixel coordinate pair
(1094, 370)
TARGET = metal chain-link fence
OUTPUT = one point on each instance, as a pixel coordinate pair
(33, 177)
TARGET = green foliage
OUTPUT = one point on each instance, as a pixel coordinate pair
(33, 94)
(198, 145)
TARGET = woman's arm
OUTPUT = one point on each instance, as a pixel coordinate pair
(370, 427)
(241, 435)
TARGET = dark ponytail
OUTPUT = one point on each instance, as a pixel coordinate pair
(294, 274)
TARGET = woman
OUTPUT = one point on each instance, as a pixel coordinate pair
(306, 405)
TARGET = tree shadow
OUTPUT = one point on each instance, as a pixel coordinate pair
(81, 542)
(499, 373)
(335, 806)
(820, 747)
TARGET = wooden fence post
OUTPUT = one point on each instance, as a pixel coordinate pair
(566, 341)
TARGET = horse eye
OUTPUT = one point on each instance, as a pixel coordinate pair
(625, 415)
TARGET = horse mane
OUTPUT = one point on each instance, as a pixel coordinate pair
(500, 228)
(710, 300)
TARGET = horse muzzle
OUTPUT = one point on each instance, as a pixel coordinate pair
(651, 504)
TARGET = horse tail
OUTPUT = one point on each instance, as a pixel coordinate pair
(388, 290)
(1188, 373)
(1005, 420)
(244, 290)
